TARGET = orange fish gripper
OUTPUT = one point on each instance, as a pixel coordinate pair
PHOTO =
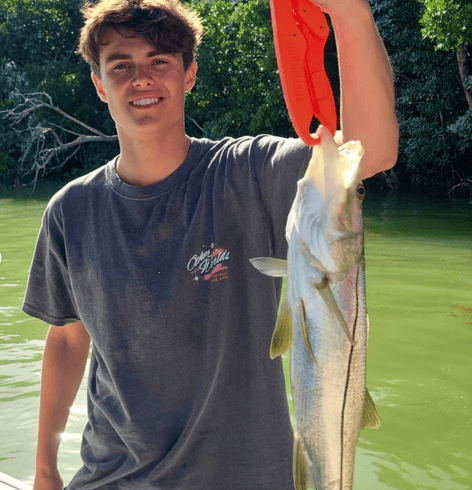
(300, 33)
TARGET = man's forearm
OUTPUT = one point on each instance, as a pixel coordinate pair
(64, 359)
(367, 90)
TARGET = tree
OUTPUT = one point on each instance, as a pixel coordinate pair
(38, 40)
(45, 142)
(237, 90)
(448, 23)
(429, 97)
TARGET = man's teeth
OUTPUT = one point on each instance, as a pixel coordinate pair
(146, 101)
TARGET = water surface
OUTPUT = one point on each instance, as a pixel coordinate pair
(419, 284)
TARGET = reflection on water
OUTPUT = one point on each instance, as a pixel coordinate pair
(403, 475)
(419, 282)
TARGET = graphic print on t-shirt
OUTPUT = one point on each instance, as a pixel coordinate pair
(211, 264)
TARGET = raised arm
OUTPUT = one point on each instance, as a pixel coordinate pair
(64, 359)
(367, 91)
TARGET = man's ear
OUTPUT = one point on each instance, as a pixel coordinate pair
(190, 76)
(99, 86)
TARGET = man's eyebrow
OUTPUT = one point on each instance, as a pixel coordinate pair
(123, 56)
(117, 56)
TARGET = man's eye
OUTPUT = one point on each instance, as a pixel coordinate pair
(159, 62)
(121, 66)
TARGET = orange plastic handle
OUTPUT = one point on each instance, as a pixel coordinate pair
(300, 33)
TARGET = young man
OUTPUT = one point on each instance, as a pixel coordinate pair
(148, 257)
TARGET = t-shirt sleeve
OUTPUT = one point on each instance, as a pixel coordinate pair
(49, 294)
(278, 164)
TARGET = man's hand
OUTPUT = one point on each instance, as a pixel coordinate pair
(64, 359)
(51, 481)
(367, 110)
(340, 7)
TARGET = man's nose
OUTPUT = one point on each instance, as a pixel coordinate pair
(142, 77)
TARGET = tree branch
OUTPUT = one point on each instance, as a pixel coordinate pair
(462, 62)
(43, 143)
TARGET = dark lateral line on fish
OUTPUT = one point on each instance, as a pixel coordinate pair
(346, 388)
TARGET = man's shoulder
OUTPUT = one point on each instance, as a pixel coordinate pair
(246, 146)
(80, 188)
(230, 141)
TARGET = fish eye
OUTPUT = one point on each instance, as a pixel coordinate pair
(360, 191)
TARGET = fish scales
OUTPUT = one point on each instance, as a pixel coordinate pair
(329, 395)
(324, 316)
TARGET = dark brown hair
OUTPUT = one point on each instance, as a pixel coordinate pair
(168, 25)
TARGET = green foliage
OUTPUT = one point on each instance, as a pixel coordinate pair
(237, 90)
(429, 96)
(462, 129)
(447, 22)
(38, 40)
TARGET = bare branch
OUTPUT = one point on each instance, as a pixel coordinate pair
(196, 124)
(464, 184)
(44, 143)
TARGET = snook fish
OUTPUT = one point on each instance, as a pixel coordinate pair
(324, 316)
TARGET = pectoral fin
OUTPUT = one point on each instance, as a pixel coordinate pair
(326, 293)
(270, 266)
(370, 417)
(299, 464)
(304, 329)
(282, 338)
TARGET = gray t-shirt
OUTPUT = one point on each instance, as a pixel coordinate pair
(182, 393)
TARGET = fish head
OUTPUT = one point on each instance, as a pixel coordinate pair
(326, 216)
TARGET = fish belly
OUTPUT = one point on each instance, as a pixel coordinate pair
(328, 392)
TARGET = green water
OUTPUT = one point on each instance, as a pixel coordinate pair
(419, 284)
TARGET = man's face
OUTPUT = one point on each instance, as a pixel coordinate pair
(144, 90)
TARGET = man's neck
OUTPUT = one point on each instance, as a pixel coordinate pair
(148, 160)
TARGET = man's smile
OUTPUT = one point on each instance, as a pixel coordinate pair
(146, 102)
